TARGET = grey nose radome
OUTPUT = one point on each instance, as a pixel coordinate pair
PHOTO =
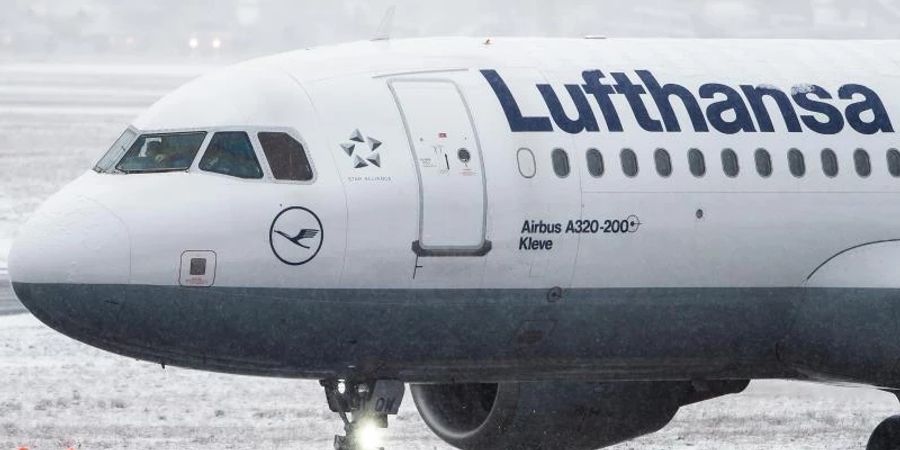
(68, 248)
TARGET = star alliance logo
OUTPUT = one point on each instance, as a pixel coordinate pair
(362, 151)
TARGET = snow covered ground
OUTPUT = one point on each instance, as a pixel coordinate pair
(56, 393)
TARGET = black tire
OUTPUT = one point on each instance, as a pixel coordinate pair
(886, 435)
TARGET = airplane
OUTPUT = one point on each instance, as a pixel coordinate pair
(553, 243)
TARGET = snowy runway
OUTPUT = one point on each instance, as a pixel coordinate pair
(57, 393)
(8, 302)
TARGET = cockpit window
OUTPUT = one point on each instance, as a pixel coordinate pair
(162, 153)
(286, 157)
(231, 153)
(115, 152)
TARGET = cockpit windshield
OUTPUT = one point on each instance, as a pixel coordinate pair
(170, 152)
(115, 152)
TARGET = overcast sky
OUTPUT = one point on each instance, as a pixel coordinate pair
(172, 29)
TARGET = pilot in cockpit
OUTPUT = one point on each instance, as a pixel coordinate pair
(154, 152)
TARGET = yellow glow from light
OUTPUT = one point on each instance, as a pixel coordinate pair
(369, 436)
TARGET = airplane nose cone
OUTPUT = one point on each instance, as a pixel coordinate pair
(70, 246)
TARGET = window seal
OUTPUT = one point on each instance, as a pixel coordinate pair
(519, 162)
(661, 155)
(831, 156)
(568, 163)
(798, 170)
(698, 170)
(599, 157)
(631, 156)
(731, 155)
(893, 161)
(862, 162)
(763, 160)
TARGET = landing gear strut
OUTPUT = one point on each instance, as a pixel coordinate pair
(886, 436)
(364, 407)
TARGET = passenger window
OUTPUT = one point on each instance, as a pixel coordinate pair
(230, 153)
(763, 162)
(863, 164)
(172, 152)
(286, 157)
(527, 164)
(829, 163)
(796, 163)
(629, 163)
(893, 159)
(561, 163)
(697, 162)
(730, 163)
(595, 163)
(663, 162)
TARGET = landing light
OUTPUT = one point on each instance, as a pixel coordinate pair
(194, 43)
(217, 43)
(369, 436)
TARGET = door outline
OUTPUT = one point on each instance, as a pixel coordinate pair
(449, 251)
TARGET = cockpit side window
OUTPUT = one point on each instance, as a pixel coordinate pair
(231, 153)
(286, 156)
(108, 161)
(169, 152)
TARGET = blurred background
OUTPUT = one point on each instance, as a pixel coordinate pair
(36, 30)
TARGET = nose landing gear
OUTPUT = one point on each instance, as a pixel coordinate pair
(364, 408)
(886, 436)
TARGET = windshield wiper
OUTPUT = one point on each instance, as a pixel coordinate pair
(183, 169)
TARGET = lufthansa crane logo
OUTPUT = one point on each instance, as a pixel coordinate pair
(296, 236)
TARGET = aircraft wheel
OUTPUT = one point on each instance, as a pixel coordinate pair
(886, 435)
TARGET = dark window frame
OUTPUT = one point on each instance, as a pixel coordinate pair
(555, 161)
(796, 163)
(593, 155)
(729, 156)
(631, 158)
(663, 162)
(763, 160)
(893, 162)
(697, 162)
(862, 162)
(831, 167)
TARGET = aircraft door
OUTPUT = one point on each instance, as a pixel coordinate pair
(445, 147)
